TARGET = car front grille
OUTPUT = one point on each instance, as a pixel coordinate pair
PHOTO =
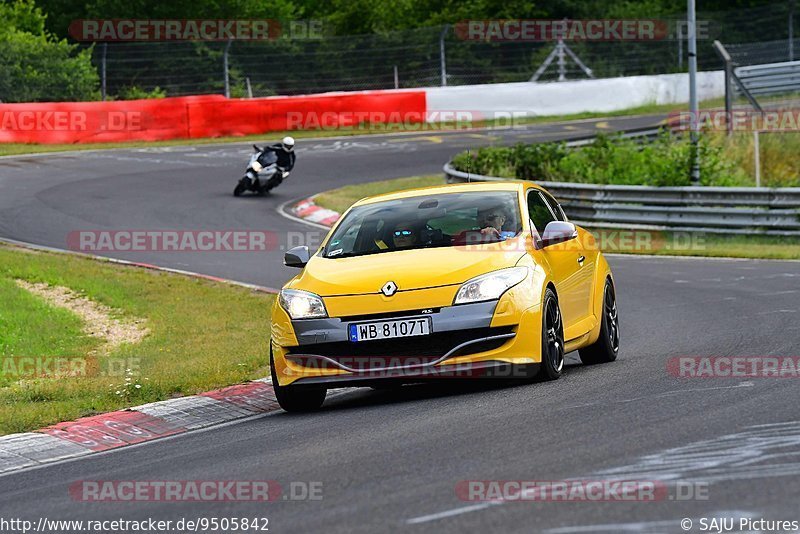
(400, 351)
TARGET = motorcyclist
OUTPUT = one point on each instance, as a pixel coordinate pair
(280, 154)
(285, 153)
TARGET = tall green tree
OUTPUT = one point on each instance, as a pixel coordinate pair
(34, 65)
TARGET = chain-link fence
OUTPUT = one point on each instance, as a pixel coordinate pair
(423, 57)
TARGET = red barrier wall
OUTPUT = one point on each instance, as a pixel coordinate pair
(201, 116)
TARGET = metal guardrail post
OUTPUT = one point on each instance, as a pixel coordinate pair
(225, 68)
(757, 156)
(693, 103)
(103, 72)
(728, 63)
(442, 62)
(791, 29)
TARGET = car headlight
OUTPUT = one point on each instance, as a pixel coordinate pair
(302, 304)
(490, 286)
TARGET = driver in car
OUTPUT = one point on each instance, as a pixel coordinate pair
(491, 222)
(489, 228)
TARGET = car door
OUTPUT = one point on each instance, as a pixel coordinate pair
(589, 252)
(563, 261)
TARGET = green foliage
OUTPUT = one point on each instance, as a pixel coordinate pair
(780, 166)
(354, 17)
(616, 160)
(34, 66)
(21, 16)
(137, 93)
(531, 161)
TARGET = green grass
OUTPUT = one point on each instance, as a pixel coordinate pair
(29, 326)
(344, 197)
(609, 240)
(10, 149)
(203, 335)
(780, 166)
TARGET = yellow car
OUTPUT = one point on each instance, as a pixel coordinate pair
(454, 281)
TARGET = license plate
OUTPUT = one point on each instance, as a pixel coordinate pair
(420, 326)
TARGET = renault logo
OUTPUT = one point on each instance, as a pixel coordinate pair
(389, 288)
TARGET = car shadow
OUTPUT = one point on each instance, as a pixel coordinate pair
(358, 398)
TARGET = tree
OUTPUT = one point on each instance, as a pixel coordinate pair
(35, 66)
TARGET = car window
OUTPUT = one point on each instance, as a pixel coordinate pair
(442, 220)
(455, 221)
(554, 206)
(538, 211)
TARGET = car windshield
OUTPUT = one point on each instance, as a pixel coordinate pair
(442, 220)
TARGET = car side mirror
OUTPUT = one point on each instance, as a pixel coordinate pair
(558, 232)
(297, 257)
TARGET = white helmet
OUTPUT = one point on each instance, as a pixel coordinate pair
(288, 143)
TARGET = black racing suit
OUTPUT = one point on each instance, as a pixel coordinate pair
(286, 159)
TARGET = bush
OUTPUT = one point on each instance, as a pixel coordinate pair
(137, 93)
(666, 161)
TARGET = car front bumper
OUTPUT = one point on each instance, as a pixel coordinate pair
(466, 341)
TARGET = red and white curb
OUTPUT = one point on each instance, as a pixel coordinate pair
(135, 425)
(307, 210)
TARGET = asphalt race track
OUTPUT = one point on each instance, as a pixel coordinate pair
(391, 460)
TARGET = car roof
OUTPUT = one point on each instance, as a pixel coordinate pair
(505, 185)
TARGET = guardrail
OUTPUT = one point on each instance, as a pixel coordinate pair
(728, 210)
(771, 78)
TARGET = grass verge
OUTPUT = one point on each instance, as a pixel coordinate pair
(203, 335)
(610, 240)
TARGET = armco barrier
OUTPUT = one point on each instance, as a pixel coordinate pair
(196, 116)
(729, 210)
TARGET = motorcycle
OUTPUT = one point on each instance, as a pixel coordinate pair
(262, 174)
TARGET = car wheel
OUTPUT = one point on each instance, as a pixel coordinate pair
(296, 398)
(606, 348)
(552, 338)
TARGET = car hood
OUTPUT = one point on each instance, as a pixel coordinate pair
(409, 269)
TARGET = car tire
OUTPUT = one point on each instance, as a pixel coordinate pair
(606, 348)
(296, 398)
(552, 338)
